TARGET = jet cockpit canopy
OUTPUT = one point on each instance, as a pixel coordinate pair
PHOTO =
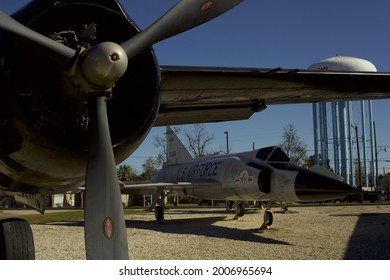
(273, 153)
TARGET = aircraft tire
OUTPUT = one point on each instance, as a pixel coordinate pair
(269, 218)
(240, 210)
(16, 240)
(159, 213)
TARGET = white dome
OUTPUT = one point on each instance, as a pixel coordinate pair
(344, 63)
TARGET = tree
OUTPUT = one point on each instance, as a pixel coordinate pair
(160, 142)
(310, 161)
(198, 141)
(295, 149)
(149, 168)
(126, 173)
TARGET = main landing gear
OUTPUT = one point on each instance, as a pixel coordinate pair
(16, 240)
(158, 204)
(268, 218)
(159, 213)
(239, 208)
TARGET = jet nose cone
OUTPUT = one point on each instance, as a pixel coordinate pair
(313, 186)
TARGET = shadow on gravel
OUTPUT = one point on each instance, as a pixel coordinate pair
(370, 239)
(204, 227)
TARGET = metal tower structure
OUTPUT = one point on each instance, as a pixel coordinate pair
(342, 141)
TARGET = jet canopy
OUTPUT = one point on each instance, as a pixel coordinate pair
(272, 154)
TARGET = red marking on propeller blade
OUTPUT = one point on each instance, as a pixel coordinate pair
(108, 228)
(206, 6)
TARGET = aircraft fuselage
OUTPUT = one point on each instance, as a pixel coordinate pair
(246, 177)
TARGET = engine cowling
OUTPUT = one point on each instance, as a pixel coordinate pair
(44, 118)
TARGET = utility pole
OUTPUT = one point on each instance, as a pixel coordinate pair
(376, 160)
(359, 166)
(227, 142)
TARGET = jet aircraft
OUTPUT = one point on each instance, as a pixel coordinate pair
(265, 175)
(72, 70)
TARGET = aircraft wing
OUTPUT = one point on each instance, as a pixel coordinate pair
(210, 94)
(158, 188)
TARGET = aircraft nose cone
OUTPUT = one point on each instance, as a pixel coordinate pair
(312, 186)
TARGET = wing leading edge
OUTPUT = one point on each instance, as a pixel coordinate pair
(210, 94)
(158, 188)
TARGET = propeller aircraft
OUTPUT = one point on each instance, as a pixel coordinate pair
(71, 70)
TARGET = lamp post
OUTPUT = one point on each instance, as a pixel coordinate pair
(227, 142)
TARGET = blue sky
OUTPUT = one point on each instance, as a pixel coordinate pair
(284, 33)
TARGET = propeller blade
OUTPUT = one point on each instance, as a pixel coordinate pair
(105, 228)
(186, 15)
(9, 25)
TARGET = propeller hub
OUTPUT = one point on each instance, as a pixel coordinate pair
(103, 64)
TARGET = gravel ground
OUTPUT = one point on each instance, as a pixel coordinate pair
(303, 233)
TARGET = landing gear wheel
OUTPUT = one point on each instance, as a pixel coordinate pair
(268, 218)
(159, 213)
(16, 240)
(240, 210)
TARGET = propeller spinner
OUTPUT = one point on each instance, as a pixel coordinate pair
(102, 65)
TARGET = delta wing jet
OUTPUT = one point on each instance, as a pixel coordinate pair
(264, 175)
(72, 70)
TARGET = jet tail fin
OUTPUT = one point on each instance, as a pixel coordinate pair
(176, 151)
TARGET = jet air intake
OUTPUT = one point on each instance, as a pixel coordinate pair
(264, 177)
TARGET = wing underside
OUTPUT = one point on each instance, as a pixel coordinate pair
(158, 188)
(211, 94)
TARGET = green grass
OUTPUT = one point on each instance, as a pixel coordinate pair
(61, 216)
(78, 215)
